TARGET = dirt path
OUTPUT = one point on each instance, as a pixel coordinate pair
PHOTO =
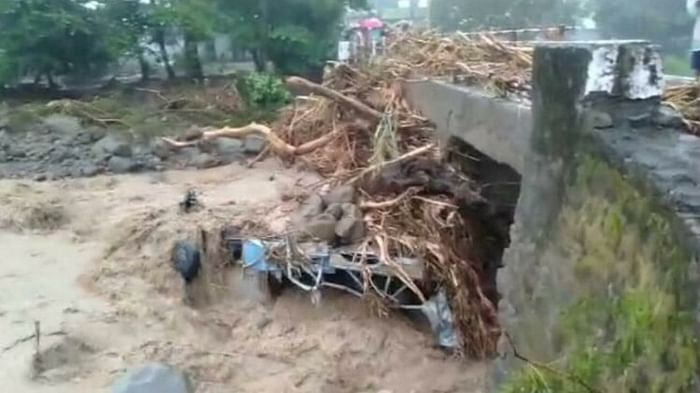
(88, 259)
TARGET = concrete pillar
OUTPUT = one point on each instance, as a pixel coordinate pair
(584, 259)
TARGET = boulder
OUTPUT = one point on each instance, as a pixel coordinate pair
(112, 145)
(204, 161)
(160, 149)
(86, 169)
(122, 165)
(342, 194)
(228, 147)
(153, 378)
(351, 226)
(253, 145)
(89, 136)
(63, 124)
(321, 227)
(336, 210)
(311, 207)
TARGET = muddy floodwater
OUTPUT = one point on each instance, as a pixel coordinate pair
(87, 260)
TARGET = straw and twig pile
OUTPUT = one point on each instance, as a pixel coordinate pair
(686, 100)
(480, 60)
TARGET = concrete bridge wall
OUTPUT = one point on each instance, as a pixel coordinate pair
(600, 283)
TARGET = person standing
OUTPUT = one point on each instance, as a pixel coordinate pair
(694, 11)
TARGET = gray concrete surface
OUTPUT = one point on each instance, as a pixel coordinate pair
(497, 127)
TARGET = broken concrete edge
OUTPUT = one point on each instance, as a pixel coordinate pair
(631, 69)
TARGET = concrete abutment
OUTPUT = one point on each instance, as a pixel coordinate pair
(600, 281)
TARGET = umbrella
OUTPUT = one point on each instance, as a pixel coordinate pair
(371, 23)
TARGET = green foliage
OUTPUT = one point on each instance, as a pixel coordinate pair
(57, 37)
(52, 37)
(127, 23)
(7, 68)
(677, 65)
(479, 14)
(632, 326)
(296, 35)
(264, 90)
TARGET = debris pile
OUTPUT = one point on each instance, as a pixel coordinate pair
(686, 100)
(357, 130)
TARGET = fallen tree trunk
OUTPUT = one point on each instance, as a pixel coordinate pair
(275, 143)
(297, 83)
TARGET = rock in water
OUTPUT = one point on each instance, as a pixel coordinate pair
(153, 378)
(186, 260)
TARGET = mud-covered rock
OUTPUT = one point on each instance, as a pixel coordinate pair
(336, 210)
(321, 227)
(342, 194)
(154, 378)
(311, 207)
(351, 226)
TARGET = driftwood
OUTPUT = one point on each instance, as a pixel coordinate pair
(365, 110)
(274, 142)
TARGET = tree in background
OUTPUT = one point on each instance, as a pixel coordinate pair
(128, 24)
(46, 38)
(469, 15)
(295, 35)
(193, 19)
(664, 22)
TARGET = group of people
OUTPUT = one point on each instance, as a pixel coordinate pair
(362, 40)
